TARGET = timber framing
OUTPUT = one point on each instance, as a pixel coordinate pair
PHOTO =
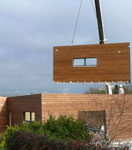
(113, 63)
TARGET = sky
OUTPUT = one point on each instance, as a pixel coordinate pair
(30, 28)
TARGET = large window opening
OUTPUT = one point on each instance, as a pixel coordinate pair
(29, 116)
(85, 62)
(96, 120)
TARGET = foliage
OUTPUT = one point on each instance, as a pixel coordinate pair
(29, 141)
(95, 90)
(128, 88)
(115, 90)
(9, 134)
(64, 129)
(34, 127)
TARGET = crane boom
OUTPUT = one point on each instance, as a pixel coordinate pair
(99, 21)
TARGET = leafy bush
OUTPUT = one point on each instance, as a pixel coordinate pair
(29, 141)
(34, 127)
(9, 134)
(64, 128)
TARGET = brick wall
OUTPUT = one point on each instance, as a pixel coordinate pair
(3, 113)
(20, 104)
(118, 109)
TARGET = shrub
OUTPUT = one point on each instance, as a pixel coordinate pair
(9, 134)
(64, 128)
(34, 127)
(29, 141)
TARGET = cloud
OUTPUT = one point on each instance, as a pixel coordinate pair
(29, 29)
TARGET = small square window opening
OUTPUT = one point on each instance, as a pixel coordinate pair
(78, 62)
(29, 116)
(91, 62)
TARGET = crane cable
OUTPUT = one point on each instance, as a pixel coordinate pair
(74, 33)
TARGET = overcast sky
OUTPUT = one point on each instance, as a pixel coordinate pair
(30, 28)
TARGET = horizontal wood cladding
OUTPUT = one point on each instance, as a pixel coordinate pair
(3, 113)
(73, 104)
(113, 63)
(20, 104)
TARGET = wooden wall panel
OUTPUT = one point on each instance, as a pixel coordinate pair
(113, 63)
(20, 104)
(73, 104)
(3, 113)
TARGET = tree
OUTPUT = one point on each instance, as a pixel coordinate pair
(117, 122)
(96, 90)
(103, 90)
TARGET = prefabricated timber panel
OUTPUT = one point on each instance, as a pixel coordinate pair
(113, 63)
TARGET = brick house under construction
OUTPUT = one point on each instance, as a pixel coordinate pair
(112, 111)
